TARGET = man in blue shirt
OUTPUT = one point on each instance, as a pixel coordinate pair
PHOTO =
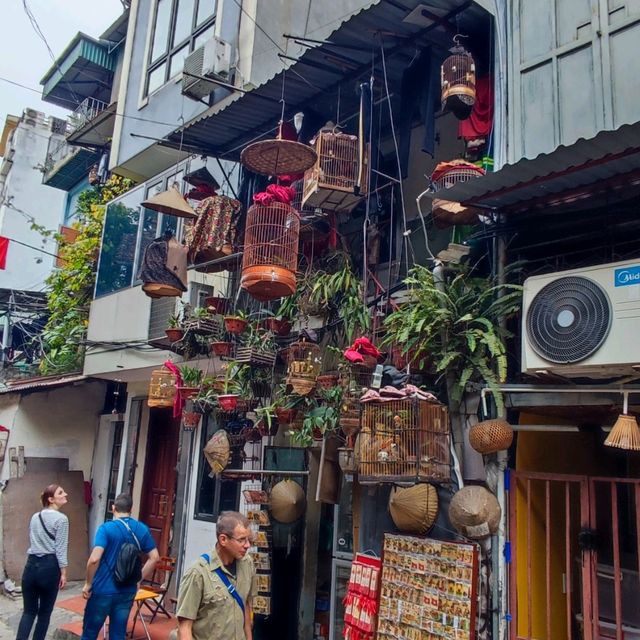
(105, 597)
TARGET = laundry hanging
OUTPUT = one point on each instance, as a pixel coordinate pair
(479, 123)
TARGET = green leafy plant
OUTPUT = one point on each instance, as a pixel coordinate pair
(258, 337)
(174, 322)
(287, 310)
(456, 325)
(191, 376)
(200, 313)
(237, 380)
(240, 314)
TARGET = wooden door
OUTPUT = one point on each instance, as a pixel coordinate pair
(159, 484)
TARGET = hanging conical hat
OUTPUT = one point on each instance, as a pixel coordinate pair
(474, 512)
(170, 202)
(414, 509)
(286, 501)
(216, 451)
(278, 157)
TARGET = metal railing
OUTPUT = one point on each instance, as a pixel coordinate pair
(88, 109)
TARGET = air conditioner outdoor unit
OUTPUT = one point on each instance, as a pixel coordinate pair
(584, 322)
(211, 60)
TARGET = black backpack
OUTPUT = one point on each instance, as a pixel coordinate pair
(127, 571)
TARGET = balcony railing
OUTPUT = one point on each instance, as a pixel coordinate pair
(88, 109)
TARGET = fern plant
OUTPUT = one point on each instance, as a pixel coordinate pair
(456, 327)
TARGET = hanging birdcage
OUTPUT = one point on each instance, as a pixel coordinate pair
(338, 179)
(403, 441)
(270, 256)
(446, 174)
(162, 388)
(303, 366)
(458, 82)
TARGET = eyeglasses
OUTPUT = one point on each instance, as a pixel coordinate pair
(242, 541)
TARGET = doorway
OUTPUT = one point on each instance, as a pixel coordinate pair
(159, 483)
(575, 557)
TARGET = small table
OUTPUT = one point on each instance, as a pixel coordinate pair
(141, 596)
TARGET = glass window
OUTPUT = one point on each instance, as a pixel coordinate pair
(179, 26)
(204, 36)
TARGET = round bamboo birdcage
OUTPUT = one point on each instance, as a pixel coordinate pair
(446, 174)
(162, 388)
(304, 360)
(490, 436)
(270, 256)
(458, 83)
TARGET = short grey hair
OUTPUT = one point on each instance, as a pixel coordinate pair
(228, 521)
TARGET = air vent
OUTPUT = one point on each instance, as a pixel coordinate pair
(568, 320)
(58, 125)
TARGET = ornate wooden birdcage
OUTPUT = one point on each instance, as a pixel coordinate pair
(458, 82)
(162, 388)
(303, 366)
(338, 179)
(404, 442)
(270, 256)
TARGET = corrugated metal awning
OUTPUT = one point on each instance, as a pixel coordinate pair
(566, 173)
(344, 60)
(42, 382)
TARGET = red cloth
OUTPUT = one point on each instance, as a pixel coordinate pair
(361, 347)
(201, 192)
(178, 403)
(4, 248)
(275, 193)
(479, 123)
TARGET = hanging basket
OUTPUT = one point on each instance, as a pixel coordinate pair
(190, 420)
(278, 327)
(277, 157)
(327, 380)
(270, 257)
(162, 388)
(255, 357)
(174, 335)
(221, 349)
(217, 304)
(234, 325)
(187, 393)
(491, 436)
(228, 402)
(286, 416)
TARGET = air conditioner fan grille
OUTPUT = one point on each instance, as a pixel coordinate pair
(568, 320)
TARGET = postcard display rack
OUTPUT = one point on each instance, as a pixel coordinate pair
(361, 601)
(428, 589)
(260, 523)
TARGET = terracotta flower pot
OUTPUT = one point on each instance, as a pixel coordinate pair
(190, 419)
(187, 393)
(286, 416)
(228, 402)
(235, 325)
(217, 305)
(279, 327)
(174, 335)
(221, 349)
(327, 381)
(263, 427)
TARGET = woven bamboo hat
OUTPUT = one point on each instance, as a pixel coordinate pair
(474, 512)
(490, 436)
(216, 451)
(414, 509)
(172, 203)
(286, 501)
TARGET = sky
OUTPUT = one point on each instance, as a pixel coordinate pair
(24, 57)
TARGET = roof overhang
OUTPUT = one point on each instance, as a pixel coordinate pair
(43, 383)
(330, 68)
(98, 131)
(71, 169)
(83, 70)
(608, 161)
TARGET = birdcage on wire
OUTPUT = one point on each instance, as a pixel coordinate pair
(458, 82)
(162, 388)
(446, 174)
(270, 256)
(446, 213)
(338, 179)
(403, 441)
(303, 366)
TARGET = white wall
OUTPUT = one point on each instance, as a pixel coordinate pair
(28, 268)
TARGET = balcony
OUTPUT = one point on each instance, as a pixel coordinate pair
(66, 165)
(91, 124)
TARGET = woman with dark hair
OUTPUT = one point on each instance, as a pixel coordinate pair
(46, 568)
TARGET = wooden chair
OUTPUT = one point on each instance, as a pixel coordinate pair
(159, 584)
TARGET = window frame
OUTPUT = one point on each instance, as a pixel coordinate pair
(173, 47)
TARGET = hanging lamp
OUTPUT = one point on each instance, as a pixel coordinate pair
(170, 202)
(625, 433)
(458, 81)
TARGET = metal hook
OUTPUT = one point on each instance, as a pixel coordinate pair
(457, 37)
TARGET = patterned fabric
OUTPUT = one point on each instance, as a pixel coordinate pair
(215, 226)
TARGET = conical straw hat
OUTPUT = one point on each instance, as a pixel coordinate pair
(414, 509)
(170, 202)
(286, 501)
(216, 451)
(278, 157)
(625, 434)
(474, 512)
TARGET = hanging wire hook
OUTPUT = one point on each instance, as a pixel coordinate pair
(457, 37)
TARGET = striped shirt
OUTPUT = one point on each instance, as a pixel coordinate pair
(41, 544)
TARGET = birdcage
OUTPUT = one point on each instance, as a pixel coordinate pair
(337, 180)
(458, 83)
(270, 256)
(162, 388)
(303, 366)
(404, 442)
(446, 174)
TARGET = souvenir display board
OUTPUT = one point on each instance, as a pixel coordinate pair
(429, 589)
(361, 601)
(261, 552)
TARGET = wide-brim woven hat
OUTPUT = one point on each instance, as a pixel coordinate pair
(278, 157)
(216, 451)
(475, 512)
(286, 501)
(414, 509)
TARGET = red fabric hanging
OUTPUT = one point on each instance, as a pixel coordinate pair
(479, 123)
(178, 402)
(275, 193)
(4, 248)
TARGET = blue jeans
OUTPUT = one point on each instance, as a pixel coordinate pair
(40, 582)
(116, 606)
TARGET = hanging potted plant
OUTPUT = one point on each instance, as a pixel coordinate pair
(285, 404)
(206, 399)
(318, 421)
(174, 331)
(221, 348)
(235, 386)
(236, 323)
(216, 305)
(258, 347)
(267, 423)
(280, 321)
(191, 380)
(200, 321)
(190, 420)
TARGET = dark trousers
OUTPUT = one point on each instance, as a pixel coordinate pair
(40, 583)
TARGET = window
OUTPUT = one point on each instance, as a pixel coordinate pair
(115, 466)
(179, 27)
(215, 494)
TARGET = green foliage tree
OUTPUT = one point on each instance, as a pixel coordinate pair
(70, 288)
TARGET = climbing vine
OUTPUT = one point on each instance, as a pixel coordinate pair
(70, 288)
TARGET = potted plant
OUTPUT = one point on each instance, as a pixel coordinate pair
(285, 404)
(216, 305)
(258, 347)
(236, 381)
(221, 348)
(200, 321)
(267, 422)
(191, 380)
(206, 399)
(318, 421)
(174, 331)
(236, 323)
(281, 320)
